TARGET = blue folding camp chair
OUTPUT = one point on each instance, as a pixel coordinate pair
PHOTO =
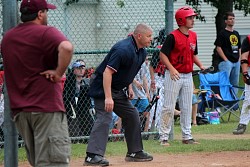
(219, 93)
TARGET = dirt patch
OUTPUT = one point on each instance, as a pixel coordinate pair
(218, 159)
(223, 159)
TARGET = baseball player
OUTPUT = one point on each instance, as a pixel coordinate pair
(178, 54)
(245, 63)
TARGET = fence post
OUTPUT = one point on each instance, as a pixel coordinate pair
(169, 28)
(10, 133)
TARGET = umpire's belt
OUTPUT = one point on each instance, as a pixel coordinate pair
(160, 75)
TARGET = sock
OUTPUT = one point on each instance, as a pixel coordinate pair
(91, 155)
(135, 152)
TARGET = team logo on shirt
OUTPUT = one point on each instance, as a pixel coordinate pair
(233, 40)
(192, 46)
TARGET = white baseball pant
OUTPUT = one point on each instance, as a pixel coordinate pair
(182, 89)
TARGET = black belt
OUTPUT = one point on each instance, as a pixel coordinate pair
(160, 75)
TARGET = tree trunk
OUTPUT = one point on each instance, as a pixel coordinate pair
(223, 7)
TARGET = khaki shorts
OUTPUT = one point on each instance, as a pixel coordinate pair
(46, 138)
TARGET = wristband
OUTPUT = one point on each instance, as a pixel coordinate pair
(244, 61)
(244, 72)
(246, 78)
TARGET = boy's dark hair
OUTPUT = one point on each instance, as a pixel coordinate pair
(225, 17)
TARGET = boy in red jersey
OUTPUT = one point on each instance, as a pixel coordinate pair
(179, 53)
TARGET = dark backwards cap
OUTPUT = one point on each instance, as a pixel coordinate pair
(33, 6)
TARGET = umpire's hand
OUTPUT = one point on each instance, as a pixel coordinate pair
(109, 104)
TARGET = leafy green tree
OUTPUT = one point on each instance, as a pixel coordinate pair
(223, 6)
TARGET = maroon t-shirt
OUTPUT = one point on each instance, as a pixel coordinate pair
(27, 50)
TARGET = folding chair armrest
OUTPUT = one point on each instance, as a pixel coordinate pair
(240, 96)
(239, 87)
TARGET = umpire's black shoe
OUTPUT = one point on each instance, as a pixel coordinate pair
(97, 160)
(138, 157)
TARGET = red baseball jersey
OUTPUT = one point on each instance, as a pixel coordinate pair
(182, 56)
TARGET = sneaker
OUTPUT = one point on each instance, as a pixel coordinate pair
(240, 129)
(97, 160)
(165, 143)
(190, 141)
(138, 157)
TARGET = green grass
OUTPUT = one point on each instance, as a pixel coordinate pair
(223, 128)
(207, 145)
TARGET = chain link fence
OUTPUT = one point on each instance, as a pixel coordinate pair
(93, 26)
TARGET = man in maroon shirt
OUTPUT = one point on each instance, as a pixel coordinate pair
(40, 54)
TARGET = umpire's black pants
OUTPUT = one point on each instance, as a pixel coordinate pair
(130, 121)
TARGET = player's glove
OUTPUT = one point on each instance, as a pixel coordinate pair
(246, 78)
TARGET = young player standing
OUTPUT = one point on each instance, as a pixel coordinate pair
(179, 53)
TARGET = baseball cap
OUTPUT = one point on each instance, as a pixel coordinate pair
(77, 65)
(33, 6)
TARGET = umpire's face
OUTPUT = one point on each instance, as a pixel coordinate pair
(145, 38)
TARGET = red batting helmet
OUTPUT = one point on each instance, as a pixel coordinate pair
(182, 13)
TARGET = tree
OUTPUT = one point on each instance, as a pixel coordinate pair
(222, 6)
